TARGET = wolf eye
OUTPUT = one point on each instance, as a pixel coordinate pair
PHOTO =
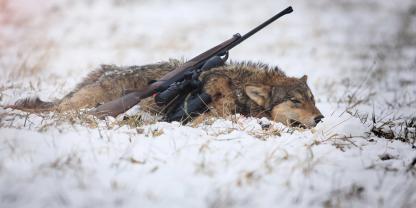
(295, 101)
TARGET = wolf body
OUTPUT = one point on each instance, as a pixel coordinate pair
(251, 89)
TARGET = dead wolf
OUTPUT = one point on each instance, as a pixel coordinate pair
(247, 88)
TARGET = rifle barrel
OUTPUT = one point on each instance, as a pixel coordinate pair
(256, 29)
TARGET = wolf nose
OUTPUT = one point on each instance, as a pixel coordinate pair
(318, 118)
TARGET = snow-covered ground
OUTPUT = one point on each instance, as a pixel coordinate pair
(360, 57)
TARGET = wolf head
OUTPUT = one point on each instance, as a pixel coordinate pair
(289, 101)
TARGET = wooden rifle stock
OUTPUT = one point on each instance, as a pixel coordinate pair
(122, 104)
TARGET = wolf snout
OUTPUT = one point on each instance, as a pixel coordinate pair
(318, 119)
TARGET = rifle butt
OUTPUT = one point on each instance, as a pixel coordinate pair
(118, 106)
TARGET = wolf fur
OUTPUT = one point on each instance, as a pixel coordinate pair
(251, 89)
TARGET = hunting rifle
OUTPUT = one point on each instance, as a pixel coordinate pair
(122, 104)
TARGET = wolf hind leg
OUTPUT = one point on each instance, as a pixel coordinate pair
(87, 97)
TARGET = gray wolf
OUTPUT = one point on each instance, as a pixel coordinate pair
(247, 88)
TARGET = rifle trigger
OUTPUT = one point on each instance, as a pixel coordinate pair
(225, 57)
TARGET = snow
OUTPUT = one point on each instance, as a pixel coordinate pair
(359, 57)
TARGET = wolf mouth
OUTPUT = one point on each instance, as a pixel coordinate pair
(295, 123)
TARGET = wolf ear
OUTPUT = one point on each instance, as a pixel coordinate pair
(304, 78)
(259, 94)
